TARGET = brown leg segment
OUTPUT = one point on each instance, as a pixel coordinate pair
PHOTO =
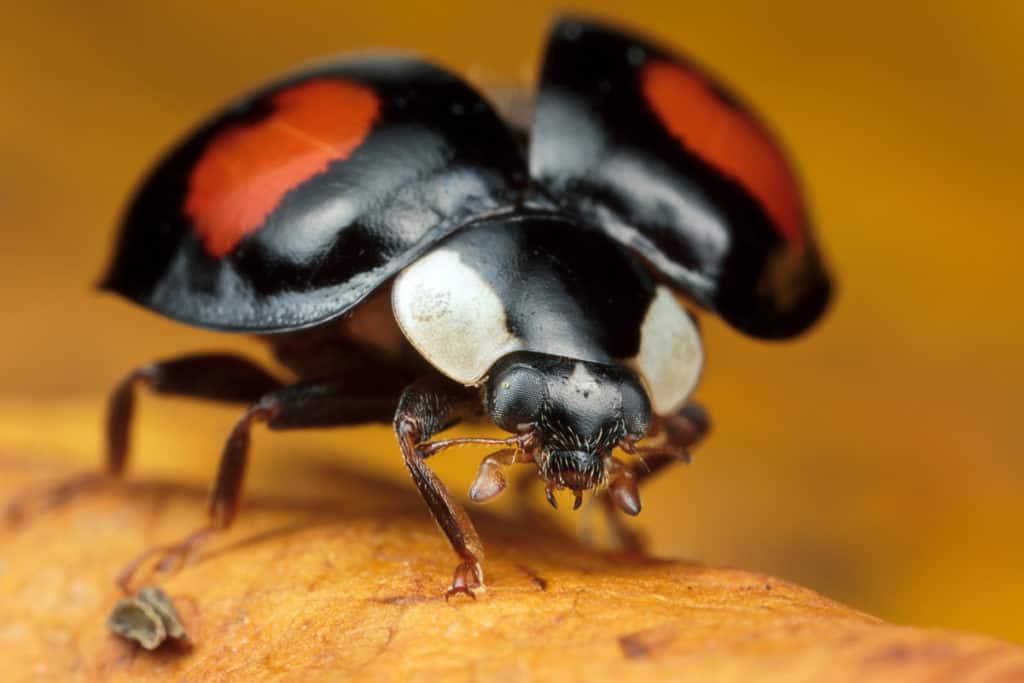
(682, 431)
(490, 479)
(218, 377)
(315, 404)
(426, 408)
(212, 376)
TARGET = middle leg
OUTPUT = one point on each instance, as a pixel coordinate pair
(305, 405)
(221, 377)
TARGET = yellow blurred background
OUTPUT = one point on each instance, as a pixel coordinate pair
(878, 460)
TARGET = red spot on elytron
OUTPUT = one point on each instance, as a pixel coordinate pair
(728, 139)
(247, 169)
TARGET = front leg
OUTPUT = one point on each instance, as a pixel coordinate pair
(682, 431)
(426, 408)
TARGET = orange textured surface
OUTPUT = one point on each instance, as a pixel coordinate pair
(336, 574)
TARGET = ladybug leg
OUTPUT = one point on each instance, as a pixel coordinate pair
(304, 405)
(221, 377)
(214, 376)
(426, 408)
(682, 431)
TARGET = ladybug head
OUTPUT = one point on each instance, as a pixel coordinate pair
(577, 412)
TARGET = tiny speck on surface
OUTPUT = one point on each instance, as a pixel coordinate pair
(148, 618)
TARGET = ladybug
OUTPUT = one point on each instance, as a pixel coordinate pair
(414, 258)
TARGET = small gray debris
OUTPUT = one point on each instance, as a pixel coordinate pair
(148, 618)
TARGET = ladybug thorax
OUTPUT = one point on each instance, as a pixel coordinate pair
(547, 286)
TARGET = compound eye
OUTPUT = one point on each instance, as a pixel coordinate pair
(516, 398)
(636, 409)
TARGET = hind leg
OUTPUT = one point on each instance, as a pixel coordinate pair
(218, 377)
(313, 404)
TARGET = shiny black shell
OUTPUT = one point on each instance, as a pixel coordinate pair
(297, 202)
(654, 151)
(436, 157)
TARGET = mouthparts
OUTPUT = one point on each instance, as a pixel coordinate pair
(577, 480)
(576, 470)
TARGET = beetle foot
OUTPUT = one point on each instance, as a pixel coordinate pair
(166, 559)
(37, 500)
(468, 578)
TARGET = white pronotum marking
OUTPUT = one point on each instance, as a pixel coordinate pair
(671, 356)
(452, 316)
